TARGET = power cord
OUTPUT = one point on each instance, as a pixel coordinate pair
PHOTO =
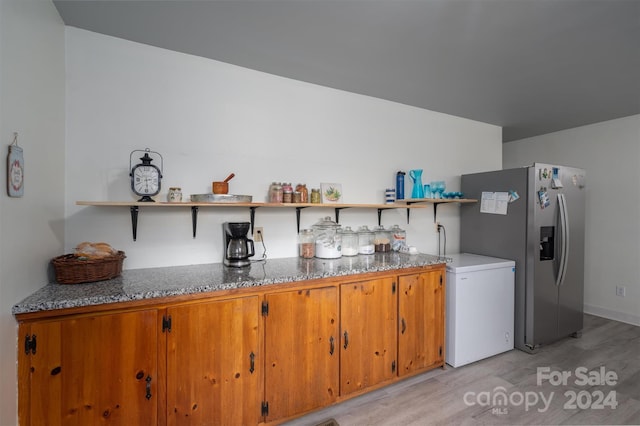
(444, 231)
(264, 247)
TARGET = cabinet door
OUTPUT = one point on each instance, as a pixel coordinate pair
(301, 350)
(91, 370)
(368, 316)
(213, 363)
(421, 322)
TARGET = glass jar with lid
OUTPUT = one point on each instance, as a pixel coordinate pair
(315, 196)
(398, 238)
(287, 193)
(275, 193)
(365, 240)
(328, 239)
(382, 239)
(349, 242)
(304, 192)
(306, 244)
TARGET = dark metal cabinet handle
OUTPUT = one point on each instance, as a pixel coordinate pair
(332, 345)
(346, 339)
(252, 358)
(30, 344)
(148, 380)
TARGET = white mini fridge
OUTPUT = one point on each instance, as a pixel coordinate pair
(480, 307)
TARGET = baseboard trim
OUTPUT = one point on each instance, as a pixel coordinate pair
(612, 315)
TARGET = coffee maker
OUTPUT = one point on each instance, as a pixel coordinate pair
(237, 247)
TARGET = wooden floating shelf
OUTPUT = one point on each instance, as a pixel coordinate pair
(397, 205)
(411, 203)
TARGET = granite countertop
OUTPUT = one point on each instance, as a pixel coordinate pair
(140, 284)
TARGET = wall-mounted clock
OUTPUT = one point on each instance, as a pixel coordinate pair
(146, 178)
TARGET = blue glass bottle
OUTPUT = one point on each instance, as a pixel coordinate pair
(400, 185)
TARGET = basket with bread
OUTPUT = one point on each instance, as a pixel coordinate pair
(90, 262)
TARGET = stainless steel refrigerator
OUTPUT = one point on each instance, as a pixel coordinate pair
(535, 216)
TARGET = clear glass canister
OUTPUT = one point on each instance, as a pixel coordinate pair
(328, 239)
(275, 193)
(349, 242)
(382, 240)
(398, 238)
(365, 240)
(306, 244)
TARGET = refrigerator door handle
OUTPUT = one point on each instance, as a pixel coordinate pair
(564, 235)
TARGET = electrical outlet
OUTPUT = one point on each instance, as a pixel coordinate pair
(621, 291)
(437, 226)
(258, 232)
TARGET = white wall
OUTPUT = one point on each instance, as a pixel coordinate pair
(610, 152)
(208, 119)
(32, 104)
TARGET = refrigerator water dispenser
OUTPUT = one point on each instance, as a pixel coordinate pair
(546, 242)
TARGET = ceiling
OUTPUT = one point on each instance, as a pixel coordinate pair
(530, 66)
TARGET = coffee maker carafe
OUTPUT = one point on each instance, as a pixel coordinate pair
(237, 247)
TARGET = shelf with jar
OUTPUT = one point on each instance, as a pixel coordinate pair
(134, 207)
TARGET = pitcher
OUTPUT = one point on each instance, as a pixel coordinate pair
(418, 190)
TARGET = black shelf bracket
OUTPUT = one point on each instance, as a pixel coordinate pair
(194, 219)
(435, 210)
(134, 221)
(252, 216)
(337, 210)
(408, 211)
(298, 217)
(381, 209)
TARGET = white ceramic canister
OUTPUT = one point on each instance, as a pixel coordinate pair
(389, 196)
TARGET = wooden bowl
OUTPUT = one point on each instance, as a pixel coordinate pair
(220, 187)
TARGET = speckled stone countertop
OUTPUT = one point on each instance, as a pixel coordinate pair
(140, 284)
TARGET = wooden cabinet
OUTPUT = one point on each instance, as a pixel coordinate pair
(368, 316)
(301, 351)
(242, 358)
(421, 321)
(100, 369)
(214, 363)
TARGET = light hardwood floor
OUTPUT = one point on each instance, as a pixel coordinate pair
(457, 396)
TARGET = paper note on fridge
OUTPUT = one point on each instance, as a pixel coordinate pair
(494, 202)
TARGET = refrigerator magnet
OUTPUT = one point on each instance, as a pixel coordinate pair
(544, 174)
(544, 198)
(555, 179)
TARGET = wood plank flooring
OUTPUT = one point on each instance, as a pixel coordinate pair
(469, 395)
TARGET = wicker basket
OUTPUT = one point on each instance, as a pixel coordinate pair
(71, 270)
